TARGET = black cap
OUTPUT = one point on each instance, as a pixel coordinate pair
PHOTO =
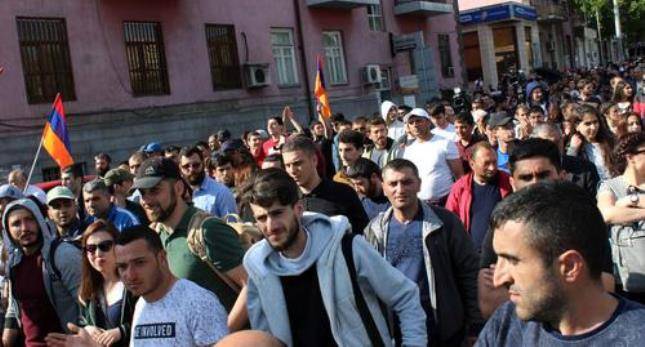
(232, 145)
(499, 119)
(153, 170)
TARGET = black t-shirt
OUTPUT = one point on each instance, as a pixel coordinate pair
(308, 318)
(488, 256)
(333, 199)
(485, 197)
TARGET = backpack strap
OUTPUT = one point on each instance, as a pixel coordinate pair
(361, 305)
(52, 257)
(197, 246)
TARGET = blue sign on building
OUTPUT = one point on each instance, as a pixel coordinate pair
(497, 13)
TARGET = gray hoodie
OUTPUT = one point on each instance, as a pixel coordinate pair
(377, 278)
(62, 292)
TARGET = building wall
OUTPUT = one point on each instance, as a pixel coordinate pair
(105, 115)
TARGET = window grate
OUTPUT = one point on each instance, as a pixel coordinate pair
(146, 59)
(222, 54)
(46, 62)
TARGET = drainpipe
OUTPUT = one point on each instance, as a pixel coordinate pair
(303, 58)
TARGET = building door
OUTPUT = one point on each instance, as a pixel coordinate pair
(472, 56)
(506, 55)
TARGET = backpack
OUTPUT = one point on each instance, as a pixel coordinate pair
(197, 246)
(52, 252)
(627, 245)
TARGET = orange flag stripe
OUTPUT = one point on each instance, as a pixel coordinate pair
(56, 148)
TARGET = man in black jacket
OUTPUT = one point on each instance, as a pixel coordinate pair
(429, 245)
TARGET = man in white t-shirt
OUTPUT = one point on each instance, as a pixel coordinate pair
(442, 126)
(171, 311)
(436, 157)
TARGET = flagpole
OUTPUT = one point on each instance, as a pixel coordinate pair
(33, 165)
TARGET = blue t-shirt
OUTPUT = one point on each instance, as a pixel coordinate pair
(624, 328)
(404, 250)
(502, 162)
(485, 197)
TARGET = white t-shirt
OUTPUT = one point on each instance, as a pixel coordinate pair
(188, 315)
(431, 158)
(448, 132)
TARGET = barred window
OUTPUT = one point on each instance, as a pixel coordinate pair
(447, 69)
(222, 53)
(146, 59)
(46, 61)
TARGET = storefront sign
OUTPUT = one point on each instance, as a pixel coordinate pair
(497, 13)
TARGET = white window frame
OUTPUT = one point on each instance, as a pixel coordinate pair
(335, 67)
(281, 54)
(375, 17)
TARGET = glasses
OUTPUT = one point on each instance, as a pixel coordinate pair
(104, 246)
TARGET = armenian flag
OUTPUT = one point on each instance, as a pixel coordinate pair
(55, 137)
(320, 92)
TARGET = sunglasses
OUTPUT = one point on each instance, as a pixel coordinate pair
(104, 246)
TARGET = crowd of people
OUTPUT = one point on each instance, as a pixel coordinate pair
(515, 219)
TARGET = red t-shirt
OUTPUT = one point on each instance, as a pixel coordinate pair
(267, 146)
(37, 314)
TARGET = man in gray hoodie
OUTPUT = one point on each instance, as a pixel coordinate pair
(43, 274)
(300, 289)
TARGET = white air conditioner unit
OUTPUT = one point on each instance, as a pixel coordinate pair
(372, 74)
(257, 75)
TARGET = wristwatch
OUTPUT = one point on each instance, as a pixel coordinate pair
(634, 196)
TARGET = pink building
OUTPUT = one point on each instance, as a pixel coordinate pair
(174, 71)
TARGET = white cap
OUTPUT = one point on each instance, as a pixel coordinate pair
(416, 112)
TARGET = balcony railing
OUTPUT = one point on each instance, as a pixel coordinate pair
(550, 11)
(342, 4)
(422, 8)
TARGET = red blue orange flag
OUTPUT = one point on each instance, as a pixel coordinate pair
(55, 137)
(320, 92)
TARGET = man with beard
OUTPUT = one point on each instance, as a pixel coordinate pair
(550, 239)
(170, 311)
(466, 138)
(474, 195)
(62, 211)
(382, 147)
(161, 186)
(208, 194)
(43, 279)
(430, 247)
(365, 177)
(102, 164)
(301, 288)
(99, 205)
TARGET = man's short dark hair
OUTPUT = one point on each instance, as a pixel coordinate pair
(201, 145)
(103, 156)
(557, 216)
(218, 160)
(359, 119)
(436, 109)
(172, 149)
(299, 143)
(139, 155)
(140, 232)
(337, 117)
(271, 186)
(399, 165)
(352, 137)
(465, 117)
(343, 122)
(278, 120)
(374, 121)
(190, 151)
(76, 170)
(532, 148)
(536, 109)
(363, 168)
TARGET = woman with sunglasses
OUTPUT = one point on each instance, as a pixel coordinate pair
(106, 306)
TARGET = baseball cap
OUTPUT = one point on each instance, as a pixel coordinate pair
(416, 112)
(59, 192)
(499, 119)
(153, 170)
(116, 176)
(152, 147)
(9, 191)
